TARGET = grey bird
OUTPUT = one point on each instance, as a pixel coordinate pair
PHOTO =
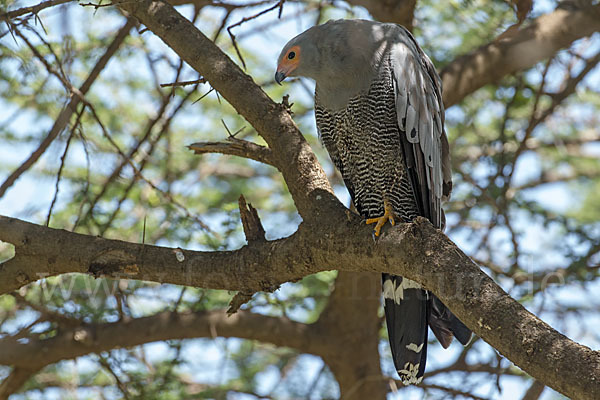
(379, 113)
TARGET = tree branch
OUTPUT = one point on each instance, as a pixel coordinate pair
(65, 115)
(292, 155)
(236, 147)
(329, 238)
(95, 338)
(31, 10)
(520, 50)
(417, 251)
(253, 228)
(350, 319)
(16, 379)
(535, 391)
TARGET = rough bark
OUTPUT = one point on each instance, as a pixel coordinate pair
(517, 51)
(417, 251)
(293, 156)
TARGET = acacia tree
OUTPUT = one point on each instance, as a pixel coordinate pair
(139, 207)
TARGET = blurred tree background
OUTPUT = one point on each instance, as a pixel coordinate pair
(526, 204)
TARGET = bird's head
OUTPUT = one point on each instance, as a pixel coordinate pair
(337, 51)
(289, 60)
(299, 57)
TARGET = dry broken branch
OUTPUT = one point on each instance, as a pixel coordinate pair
(236, 147)
(253, 228)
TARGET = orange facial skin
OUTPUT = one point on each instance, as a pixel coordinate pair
(287, 64)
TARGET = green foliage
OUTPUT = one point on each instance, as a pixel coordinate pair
(526, 200)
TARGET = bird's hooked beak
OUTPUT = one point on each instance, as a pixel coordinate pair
(279, 77)
(284, 69)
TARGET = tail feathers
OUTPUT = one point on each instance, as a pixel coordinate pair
(445, 325)
(406, 313)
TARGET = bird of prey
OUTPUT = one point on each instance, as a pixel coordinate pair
(379, 113)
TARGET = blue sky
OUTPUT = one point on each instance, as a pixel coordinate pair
(30, 197)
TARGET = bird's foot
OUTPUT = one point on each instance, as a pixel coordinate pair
(388, 214)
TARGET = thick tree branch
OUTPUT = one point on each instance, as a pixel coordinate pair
(94, 338)
(292, 155)
(520, 50)
(417, 251)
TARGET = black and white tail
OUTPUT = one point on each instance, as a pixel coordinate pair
(406, 315)
(409, 310)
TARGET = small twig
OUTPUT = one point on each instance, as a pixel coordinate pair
(144, 231)
(96, 5)
(38, 20)
(203, 96)
(179, 299)
(226, 128)
(86, 188)
(234, 134)
(183, 83)
(452, 391)
(235, 46)
(246, 19)
(32, 10)
(62, 165)
(222, 26)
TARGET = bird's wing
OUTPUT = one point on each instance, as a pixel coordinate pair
(425, 148)
(420, 113)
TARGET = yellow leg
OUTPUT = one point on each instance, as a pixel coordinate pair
(388, 214)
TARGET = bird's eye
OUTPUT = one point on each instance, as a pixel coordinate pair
(291, 55)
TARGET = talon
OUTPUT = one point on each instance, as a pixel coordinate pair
(388, 215)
